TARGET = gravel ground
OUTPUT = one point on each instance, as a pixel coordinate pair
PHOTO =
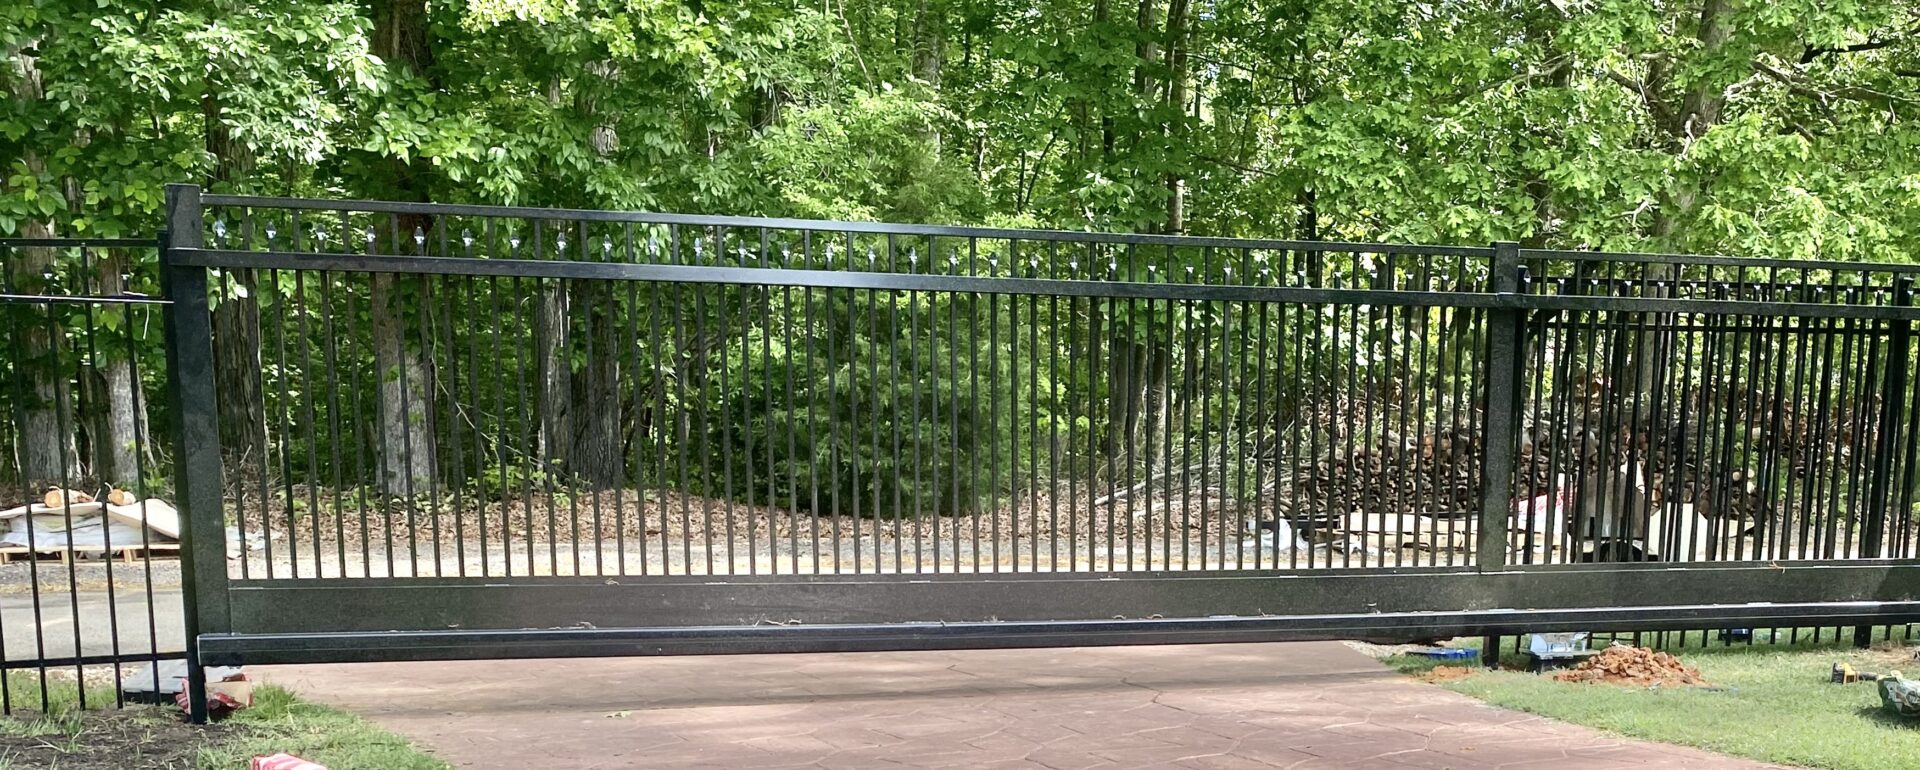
(89, 576)
(635, 532)
(853, 556)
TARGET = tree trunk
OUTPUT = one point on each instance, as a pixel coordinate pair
(124, 433)
(1101, 15)
(406, 444)
(126, 425)
(1144, 50)
(1176, 104)
(596, 451)
(236, 311)
(929, 41)
(1701, 105)
(407, 448)
(237, 368)
(1539, 190)
(1127, 374)
(929, 54)
(47, 450)
(553, 344)
(1157, 427)
(47, 453)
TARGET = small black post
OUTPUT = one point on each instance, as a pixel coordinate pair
(1893, 399)
(197, 472)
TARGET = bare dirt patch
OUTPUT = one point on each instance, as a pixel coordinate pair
(1444, 674)
(1633, 667)
(310, 513)
(144, 738)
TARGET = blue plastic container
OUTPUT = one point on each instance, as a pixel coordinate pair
(1448, 653)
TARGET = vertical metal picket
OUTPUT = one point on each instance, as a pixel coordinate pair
(189, 327)
(1893, 398)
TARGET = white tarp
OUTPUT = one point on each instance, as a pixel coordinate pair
(50, 532)
(90, 525)
(170, 675)
(38, 509)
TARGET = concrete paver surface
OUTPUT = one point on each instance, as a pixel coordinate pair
(1217, 707)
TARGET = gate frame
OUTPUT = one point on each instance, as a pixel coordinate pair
(330, 620)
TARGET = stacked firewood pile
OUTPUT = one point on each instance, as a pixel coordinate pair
(1707, 452)
(1435, 474)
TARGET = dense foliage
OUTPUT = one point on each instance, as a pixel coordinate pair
(1710, 125)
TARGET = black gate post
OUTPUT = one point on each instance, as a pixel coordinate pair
(1502, 407)
(1502, 413)
(1893, 399)
(197, 472)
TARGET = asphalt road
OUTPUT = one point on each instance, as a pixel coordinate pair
(89, 621)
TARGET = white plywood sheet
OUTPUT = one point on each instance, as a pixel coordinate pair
(154, 513)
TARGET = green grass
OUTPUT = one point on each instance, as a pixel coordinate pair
(1767, 702)
(150, 737)
(278, 721)
(25, 692)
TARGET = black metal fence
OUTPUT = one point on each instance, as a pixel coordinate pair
(412, 430)
(440, 426)
(89, 589)
(457, 391)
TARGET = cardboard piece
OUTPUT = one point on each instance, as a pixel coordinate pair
(239, 689)
(153, 513)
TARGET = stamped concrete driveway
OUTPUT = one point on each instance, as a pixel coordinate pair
(1315, 705)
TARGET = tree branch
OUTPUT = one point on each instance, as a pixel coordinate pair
(1812, 52)
(1799, 84)
(1625, 82)
(1240, 167)
(1640, 89)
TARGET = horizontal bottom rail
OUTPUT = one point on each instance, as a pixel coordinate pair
(368, 646)
(108, 659)
(329, 605)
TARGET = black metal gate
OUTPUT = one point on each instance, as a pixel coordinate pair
(444, 431)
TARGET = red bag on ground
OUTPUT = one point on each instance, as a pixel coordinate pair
(219, 704)
(224, 697)
(282, 761)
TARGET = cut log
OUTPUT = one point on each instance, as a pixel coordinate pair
(60, 498)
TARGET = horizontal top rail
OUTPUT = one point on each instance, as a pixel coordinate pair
(1715, 260)
(1018, 234)
(49, 299)
(883, 281)
(80, 243)
(74, 283)
(820, 225)
(829, 279)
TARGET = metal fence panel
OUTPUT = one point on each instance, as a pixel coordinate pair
(514, 417)
(89, 592)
